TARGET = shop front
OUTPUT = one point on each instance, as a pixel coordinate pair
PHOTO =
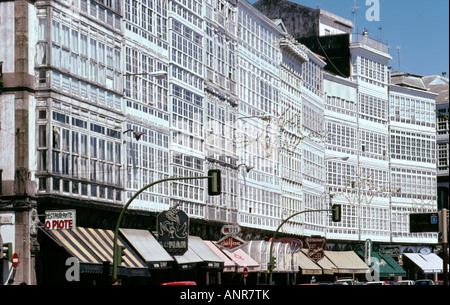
(246, 268)
(199, 264)
(423, 266)
(384, 267)
(348, 264)
(84, 256)
(307, 269)
(159, 262)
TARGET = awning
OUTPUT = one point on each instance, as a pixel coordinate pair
(398, 270)
(229, 265)
(242, 260)
(149, 248)
(210, 259)
(188, 260)
(283, 255)
(305, 265)
(198, 254)
(93, 247)
(327, 266)
(387, 266)
(346, 261)
(258, 251)
(429, 263)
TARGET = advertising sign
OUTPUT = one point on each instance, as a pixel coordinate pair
(173, 231)
(295, 243)
(60, 219)
(315, 247)
(231, 242)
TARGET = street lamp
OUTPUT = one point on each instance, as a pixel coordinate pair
(345, 158)
(157, 75)
(248, 168)
(137, 134)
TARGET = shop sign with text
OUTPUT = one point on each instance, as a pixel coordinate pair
(173, 231)
(61, 219)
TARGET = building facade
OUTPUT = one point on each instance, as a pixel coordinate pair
(101, 98)
(412, 166)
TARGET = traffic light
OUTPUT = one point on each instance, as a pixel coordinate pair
(214, 182)
(272, 264)
(120, 254)
(7, 251)
(336, 212)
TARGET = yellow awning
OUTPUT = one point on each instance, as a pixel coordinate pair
(327, 266)
(305, 265)
(347, 261)
(93, 247)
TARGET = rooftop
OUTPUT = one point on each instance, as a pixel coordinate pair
(437, 84)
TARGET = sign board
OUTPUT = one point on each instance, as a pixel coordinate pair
(424, 222)
(173, 231)
(231, 242)
(15, 260)
(60, 219)
(295, 243)
(230, 230)
(315, 247)
(387, 250)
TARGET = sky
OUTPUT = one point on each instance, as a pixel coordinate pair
(420, 29)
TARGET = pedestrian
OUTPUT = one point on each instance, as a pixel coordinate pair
(116, 282)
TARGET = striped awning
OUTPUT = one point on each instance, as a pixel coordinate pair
(94, 247)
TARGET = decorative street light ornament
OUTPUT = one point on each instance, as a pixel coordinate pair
(173, 231)
(315, 247)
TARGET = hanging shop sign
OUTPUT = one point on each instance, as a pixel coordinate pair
(231, 241)
(388, 250)
(173, 231)
(60, 219)
(230, 230)
(316, 246)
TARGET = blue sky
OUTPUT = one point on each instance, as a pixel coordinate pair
(420, 28)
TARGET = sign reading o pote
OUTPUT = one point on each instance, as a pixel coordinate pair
(60, 219)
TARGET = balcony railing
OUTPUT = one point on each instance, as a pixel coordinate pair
(365, 40)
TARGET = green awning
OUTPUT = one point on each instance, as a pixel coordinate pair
(387, 265)
(399, 271)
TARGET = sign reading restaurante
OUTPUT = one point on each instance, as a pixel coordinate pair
(60, 219)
